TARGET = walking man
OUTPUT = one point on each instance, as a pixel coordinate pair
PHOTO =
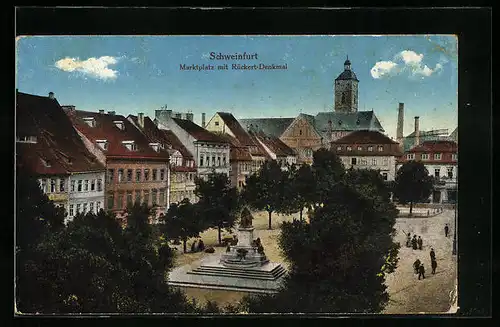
(408, 240)
(446, 230)
(434, 266)
(416, 265)
(421, 272)
(193, 246)
(414, 242)
(420, 243)
(433, 255)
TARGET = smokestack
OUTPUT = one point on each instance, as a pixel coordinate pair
(417, 131)
(203, 120)
(51, 95)
(399, 131)
(140, 119)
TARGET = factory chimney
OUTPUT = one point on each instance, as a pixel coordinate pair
(417, 131)
(399, 131)
(203, 120)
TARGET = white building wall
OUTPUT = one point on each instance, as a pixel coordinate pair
(86, 199)
(209, 150)
(386, 164)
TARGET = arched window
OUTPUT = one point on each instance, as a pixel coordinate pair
(343, 97)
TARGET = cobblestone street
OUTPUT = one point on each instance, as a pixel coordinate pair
(433, 294)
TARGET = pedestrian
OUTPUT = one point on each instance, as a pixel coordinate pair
(421, 272)
(201, 246)
(446, 230)
(416, 265)
(420, 243)
(193, 246)
(433, 255)
(414, 242)
(408, 240)
(434, 265)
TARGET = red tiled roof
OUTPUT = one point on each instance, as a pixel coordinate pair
(257, 149)
(198, 132)
(365, 137)
(57, 140)
(435, 146)
(105, 129)
(235, 127)
(277, 146)
(237, 151)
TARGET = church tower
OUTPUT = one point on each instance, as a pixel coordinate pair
(346, 90)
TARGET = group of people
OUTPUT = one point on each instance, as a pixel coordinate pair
(199, 248)
(418, 266)
(415, 243)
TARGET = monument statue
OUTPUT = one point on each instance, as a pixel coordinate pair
(246, 218)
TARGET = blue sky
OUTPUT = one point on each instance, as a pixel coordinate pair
(131, 74)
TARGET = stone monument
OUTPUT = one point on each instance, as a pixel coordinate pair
(243, 267)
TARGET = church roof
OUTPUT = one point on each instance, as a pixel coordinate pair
(269, 126)
(347, 75)
(347, 121)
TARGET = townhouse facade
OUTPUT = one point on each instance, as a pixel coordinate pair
(440, 157)
(48, 146)
(182, 166)
(136, 170)
(368, 150)
(211, 152)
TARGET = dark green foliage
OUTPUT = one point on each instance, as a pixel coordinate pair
(338, 260)
(327, 171)
(264, 190)
(412, 183)
(218, 202)
(182, 222)
(299, 190)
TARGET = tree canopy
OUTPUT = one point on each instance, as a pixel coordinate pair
(327, 171)
(264, 190)
(413, 183)
(218, 202)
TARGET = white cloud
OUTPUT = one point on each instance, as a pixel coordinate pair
(93, 67)
(383, 68)
(405, 61)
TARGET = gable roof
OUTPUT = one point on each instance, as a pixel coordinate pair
(276, 145)
(237, 151)
(269, 126)
(57, 140)
(436, 146)
(105, 129)
(347, 121)
(235, 127)
(365, 137)
(198, 132)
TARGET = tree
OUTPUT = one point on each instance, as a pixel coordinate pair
(412, 183)
(339, 259)
(264, 190)
(327, 170)
(182, 222)
(301, 189)
(218, 202)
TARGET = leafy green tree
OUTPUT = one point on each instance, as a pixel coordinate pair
(264, 190)
(218, 202)
(339, 259)
(182, 221)
(327, 170)
(413, 183)
(299, 190)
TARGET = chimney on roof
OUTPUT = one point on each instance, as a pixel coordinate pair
(51, 95)
(101, 111)
(189, 116)
(111, 112)
(203, 120)
(417, 130)
(399, 131)
(140, 119)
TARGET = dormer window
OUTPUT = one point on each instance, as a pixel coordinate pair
(89, 121)
(340, 122)
(155, 146)
(380, 148)
(119, 124)
(46, 163)
(370, 148)
(26, 139)
(103, 144)
(130, 145)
